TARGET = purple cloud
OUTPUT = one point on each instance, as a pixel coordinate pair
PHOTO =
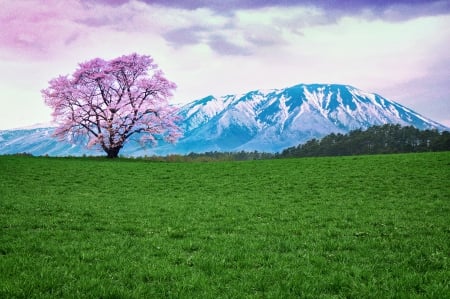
(37, 31)
(223, 46)
(184, 36)
(196, 34)
(390, 9)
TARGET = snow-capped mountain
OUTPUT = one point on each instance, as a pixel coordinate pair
(262, 120)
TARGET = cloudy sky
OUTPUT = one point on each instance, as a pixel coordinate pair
(398, 49)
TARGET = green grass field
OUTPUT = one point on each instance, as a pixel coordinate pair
(347, 227)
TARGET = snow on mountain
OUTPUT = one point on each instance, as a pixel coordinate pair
(36, 126)
(262, 120)
(272, 120)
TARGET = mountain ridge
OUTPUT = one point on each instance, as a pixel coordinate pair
(263, 120)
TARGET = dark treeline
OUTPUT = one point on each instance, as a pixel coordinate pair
(385, 139)
(214, 156)
(375, 140)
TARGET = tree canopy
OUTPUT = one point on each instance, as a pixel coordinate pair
(106, 102)
(389, 138)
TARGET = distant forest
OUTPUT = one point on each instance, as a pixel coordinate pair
(386, 139)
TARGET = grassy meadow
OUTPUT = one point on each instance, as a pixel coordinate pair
(338, 227)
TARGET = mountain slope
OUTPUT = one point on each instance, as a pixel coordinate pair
(274, 119)
(269, 121)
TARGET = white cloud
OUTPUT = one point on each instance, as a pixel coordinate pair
(208, 53)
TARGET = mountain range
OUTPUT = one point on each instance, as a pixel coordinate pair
(260, 120)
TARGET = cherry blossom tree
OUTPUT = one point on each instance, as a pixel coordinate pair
(106, 102)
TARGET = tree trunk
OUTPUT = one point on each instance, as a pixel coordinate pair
(113, 152)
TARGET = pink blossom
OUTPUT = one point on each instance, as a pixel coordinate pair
(110, 101)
